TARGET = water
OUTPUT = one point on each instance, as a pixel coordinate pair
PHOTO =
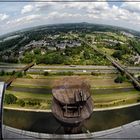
(46, 123)
(107, 91)
(49, 90)
(31, 90)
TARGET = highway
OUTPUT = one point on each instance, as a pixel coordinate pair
(66, 68)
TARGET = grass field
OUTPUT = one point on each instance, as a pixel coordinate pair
(100, 100)
(35, 89)
(51, 81)
(108, 51)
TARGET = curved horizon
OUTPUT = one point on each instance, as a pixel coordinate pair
(43, 25)
(15, 16)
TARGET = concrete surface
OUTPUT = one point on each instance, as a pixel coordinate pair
(129, 131)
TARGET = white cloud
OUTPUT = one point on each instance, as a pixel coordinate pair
(55, 12)
(27, 8)
(86, 5)
(57, 15)
(37, 6)
(24, 20)
(3, 17)
(131, 6)
(74, 10)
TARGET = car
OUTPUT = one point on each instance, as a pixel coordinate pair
(47, 70)
(84, 71)
(72, 65)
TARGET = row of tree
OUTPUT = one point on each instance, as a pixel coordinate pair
(12, 99)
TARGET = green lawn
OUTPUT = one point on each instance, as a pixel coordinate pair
(108, 51)
(25, 95)
(103, 81)
(100, 99)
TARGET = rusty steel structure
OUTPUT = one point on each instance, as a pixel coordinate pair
(9, 81)
(72, 105)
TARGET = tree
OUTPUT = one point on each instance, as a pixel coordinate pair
(86, 54)
(37, 51)
(54, 58)
(46, 73)
(119, 79)
(139, 78)
(117, 45)
(68, 51)
(13, 72)
(2, 73)
(40, 59)
(10, 99)
(117, 54)
(21, 102)
(19, 74)
(28, 58)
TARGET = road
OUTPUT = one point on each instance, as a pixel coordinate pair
(65, 68)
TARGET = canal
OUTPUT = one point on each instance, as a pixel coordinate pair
(45, 122)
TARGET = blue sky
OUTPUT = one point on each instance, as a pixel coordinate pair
(19, 15)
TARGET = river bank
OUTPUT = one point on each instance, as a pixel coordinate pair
(95, 109)
(45, 122)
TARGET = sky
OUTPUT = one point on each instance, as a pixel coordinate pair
(19, 15)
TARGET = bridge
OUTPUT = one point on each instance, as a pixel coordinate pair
(125, 71)
(113, 61)
(9, 81)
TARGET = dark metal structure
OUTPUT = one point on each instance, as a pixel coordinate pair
(2, 89)
(9, 81)
(72, 105)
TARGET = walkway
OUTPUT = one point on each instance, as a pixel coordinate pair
(128, 131)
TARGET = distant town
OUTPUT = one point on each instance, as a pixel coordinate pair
(40, 45)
